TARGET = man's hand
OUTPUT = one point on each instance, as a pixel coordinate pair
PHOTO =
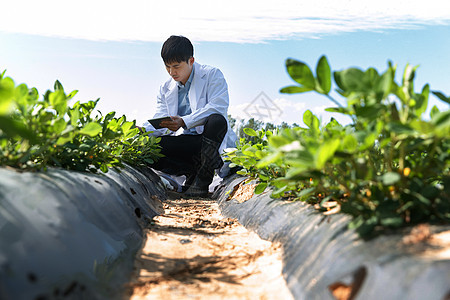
(173, 124)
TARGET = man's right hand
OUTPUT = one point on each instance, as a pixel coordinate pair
(173, 124)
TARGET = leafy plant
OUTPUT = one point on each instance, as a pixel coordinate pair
(36, 133)
(388, 168)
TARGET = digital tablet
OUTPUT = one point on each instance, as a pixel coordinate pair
(157, 122)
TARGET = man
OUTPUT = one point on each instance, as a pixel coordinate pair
(196, 99)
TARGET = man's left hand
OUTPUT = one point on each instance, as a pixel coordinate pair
(173, 124)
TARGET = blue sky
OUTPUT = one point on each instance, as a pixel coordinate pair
(112, 52)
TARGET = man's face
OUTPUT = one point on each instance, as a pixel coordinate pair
(180, 71)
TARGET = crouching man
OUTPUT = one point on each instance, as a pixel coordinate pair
(196, 99)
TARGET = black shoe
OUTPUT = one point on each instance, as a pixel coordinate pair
(188, 182)
(184, 188)
(209, 161)
(199, 187)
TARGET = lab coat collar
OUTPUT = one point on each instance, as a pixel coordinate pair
(197, 85)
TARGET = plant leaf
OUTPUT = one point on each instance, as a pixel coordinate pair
(441, 96)
(422, 101)
(324, 75)
(260, 187)
(250, 131)
(91, 129)
(6, 94)
(300, 72)
(295, 89)
(310, 120)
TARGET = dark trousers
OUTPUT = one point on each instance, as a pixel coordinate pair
(182, 153)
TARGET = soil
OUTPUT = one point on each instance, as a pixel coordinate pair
(193, 252)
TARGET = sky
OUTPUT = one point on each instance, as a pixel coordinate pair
(111, 49)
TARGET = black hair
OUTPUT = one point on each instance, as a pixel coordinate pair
(177, 49)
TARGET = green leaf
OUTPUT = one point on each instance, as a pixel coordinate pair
(341, 110)
(279, 191)
(326, 151)
(59, 126)
(441, 118)
(441, 96)
(249, 152)
(399, 128)
(371, 112)
(310, 120)
(278, 141)
(350, 143)
(301, 73)
(292, 173)
(21, 97)
(371, 76)
(350, 80)
(384, 84)
(306, 192)
(434, 110)
(242, 172)
(91, 129)
(104, 168)
(390, 178)
(259, 154)
(68, 137)
(72, 94)
(369, 141)
(74, 117)
(394, 221)
(301, 158)
(295, 89)
(126, 127)
(267, 160)
(422, 101)
(58, 101)
(260, 188)
(263, 177)
(6, 94)
(250, 132)
(14, 128)
(324, 75)
(58, 86)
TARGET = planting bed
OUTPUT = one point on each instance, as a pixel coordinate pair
(75, 235)
(322, 259)
(71, 235)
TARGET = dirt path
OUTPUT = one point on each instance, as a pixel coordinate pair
(192, 252)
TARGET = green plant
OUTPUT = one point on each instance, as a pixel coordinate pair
(249, 152)
(388, 168)
(36, 133)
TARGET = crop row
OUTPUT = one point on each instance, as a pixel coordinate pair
(388, 168)
(37, 132)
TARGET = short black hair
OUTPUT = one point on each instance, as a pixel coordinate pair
(177, 48)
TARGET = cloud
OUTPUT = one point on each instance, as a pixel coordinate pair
(227, 21)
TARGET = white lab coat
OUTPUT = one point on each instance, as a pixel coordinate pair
(208, 95)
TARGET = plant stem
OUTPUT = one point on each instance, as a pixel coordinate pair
(334, 101)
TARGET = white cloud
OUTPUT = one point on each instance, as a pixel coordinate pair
(232, 21)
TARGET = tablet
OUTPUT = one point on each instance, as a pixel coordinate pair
(156, 122)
